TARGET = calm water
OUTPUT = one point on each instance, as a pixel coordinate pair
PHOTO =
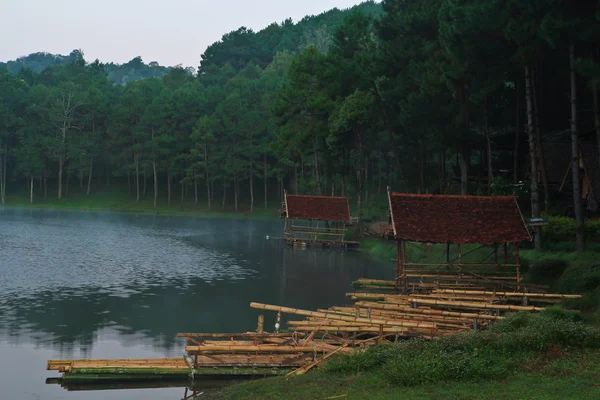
(107, 285)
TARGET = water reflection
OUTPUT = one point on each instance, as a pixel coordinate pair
(120, 285)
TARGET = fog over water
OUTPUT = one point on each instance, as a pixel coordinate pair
(110, 285)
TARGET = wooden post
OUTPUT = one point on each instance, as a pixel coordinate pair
(448, 253)
(398, 254)
(518, 263)
(496, 254)
(506, 259)
(380, 338)
(404, 266)
(260, 328)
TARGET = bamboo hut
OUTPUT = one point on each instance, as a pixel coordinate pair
(487, 227)
(318, 220)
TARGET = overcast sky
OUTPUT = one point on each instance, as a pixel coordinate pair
(168, 31)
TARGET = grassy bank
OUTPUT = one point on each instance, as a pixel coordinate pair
(116, 198)
(546, 356)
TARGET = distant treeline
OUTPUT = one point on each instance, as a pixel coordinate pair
(413, 94)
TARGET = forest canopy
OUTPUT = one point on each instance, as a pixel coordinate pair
(428, 96)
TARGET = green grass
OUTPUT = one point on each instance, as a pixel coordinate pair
(567, 272)
(547, 356)
(116, 198)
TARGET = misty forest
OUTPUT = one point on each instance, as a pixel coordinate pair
(431, 96)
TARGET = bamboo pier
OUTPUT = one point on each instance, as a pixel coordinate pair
(315, 335)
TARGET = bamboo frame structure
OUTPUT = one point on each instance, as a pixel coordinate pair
(299, 231)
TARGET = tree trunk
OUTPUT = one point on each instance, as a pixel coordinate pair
(208, 196)
(361, 180)
(60, 171)
(421, 166)
(464, 169)
(128, 182)
(169, 183)
(45, 185)
(388, 126)
(379, 174)
(235, 191)
(182, 190)
(31, 191)
(579, 224)
(1, 173)
(597, 120)
(145, 177)
(224, 193)
(4, 163)
(316, 155)
(89, 184)
(155, 181)
(195, 188)
(137, 178)
(206, 175)
(539, 148)
(251, 179)
(488, 141)
(517, 139)
(265, 177)
(81, 177)
(68, 180)
(296, 179)
(535, 194)
(441, 170)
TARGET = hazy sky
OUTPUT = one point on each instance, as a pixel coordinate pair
(168, 31)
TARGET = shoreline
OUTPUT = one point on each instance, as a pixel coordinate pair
(257, 215)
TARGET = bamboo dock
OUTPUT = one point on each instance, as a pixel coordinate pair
(314, 335)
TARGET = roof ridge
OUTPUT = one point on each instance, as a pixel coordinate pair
(464, 196)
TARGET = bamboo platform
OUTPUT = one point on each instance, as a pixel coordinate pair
(306, 242)
(313, 336)
(121, 369)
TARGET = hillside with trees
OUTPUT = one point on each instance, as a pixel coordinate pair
(434, 96)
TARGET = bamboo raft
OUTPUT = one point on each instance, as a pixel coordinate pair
(315, 335)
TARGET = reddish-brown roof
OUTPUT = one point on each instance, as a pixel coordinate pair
(320, 208)
(457, 219)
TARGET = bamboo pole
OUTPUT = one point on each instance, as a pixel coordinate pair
(464, 304)
(395, 307)
(257, 348)
(234, 335)
(373, 321)
(511, 294)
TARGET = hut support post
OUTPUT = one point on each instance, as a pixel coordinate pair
(496, 254)
(518, 263)
(404, 266)
(398, 256)
(260, 327)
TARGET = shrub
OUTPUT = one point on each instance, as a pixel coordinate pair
(563, 228)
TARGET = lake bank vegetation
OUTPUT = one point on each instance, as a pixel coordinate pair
(551, 355)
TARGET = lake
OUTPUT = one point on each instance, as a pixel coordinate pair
(110, 285)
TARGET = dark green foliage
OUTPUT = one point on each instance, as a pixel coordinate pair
(422, 96)
(117, 73)
(493, 354)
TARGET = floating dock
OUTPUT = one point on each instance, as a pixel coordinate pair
(373, 318)
(121, 369)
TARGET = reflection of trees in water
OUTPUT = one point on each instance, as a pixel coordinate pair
(153, 313)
